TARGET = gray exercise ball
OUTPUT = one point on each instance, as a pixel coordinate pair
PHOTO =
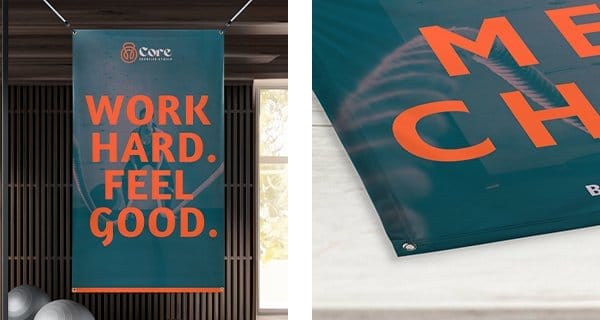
(64, 310)
(25, 301)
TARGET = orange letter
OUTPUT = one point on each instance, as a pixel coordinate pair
(133, 184)
(146, 117)
(161, 143)
(158, 184)
(139, 222)
(198, 109)
(441, 41)
(134, 147)
(112, 113)
(111, 147)
(405, 132)
(107, 233)
(110, 183)
(198, 147)
(179, 193)
(532, 120)
(185, 229)
(153, 225)
(573, 33)
(167, 105)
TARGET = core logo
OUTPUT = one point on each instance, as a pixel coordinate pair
(155, 53)
(128, 52)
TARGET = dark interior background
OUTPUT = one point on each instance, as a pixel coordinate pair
(40, 45)
(40, 144)
(40, 122)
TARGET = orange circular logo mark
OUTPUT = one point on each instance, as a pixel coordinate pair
(128, 52)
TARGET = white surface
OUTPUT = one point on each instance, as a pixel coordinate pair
(355, 267)
(274, 285)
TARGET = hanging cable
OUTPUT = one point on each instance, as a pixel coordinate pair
(68, 24)
(236, 15)
(65, 21)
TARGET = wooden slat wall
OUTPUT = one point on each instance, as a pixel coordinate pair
(40, 210)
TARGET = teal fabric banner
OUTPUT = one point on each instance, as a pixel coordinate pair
(148, 161)
(468, 121)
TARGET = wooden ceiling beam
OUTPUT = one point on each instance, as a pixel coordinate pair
(238, 28)
(40, 45)
(168, 14)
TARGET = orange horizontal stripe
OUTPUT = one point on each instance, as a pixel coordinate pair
(147, 290)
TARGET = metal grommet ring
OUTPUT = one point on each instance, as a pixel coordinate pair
(409, 246)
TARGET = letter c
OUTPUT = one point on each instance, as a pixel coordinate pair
(405, 132)
(143, 51)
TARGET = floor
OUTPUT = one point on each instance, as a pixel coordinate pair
(461, 314)
(272, 317)
(356, 274)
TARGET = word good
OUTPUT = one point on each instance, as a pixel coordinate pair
(107, 231)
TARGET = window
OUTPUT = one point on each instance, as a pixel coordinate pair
(272, 99)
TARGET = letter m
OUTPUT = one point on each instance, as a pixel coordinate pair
(442, 41)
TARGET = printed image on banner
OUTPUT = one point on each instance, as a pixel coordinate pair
(468, 121)
(148, 161)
